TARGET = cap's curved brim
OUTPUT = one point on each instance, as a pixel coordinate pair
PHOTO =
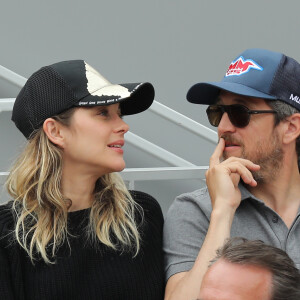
(207, 92)
(133, 97)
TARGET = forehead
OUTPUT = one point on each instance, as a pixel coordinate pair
(90, 111)
(112, 107)
(228, 98)
(225, 280)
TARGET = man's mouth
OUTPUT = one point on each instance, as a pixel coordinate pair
(229, 144)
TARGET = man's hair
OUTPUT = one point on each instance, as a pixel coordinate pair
(285, 276)
(285, 110)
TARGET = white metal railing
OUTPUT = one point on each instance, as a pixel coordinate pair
(3, 176)
(182, 169)
(12, 77)
(7, 104)
(145, 174)
(173, 173)
(131, 138)
(156, 151)
(146, 146)
(183, 121)
(157, 108)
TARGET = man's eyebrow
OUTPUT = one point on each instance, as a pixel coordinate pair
(218, 101)
(238, 100)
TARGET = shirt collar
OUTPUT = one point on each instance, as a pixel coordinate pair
(245, 194)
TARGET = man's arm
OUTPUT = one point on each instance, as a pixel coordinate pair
(222, 180)
(186, 285)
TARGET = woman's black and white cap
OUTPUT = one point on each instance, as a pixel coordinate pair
(60, 86)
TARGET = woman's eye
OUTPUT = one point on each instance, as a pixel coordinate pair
(103, 113)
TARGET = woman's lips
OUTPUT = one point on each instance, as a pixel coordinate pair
(117, 146)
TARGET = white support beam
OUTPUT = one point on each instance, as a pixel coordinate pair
(6, 104)
(142, 144)
(156, 151)
(142, 174)
(131, 138)
(185, 122)
(12, 77)
(163, 111)
(3, 176)
(169, 173)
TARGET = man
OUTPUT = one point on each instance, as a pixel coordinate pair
(246, 269)
(253, 182)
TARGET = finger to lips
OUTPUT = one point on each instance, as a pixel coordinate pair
(217, 154)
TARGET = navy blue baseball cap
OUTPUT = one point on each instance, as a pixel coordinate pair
(256, 73)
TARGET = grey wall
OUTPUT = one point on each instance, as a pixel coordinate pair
(172, 44)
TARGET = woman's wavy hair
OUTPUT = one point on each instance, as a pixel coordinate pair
(41, 209)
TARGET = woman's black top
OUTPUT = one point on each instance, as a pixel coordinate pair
(85, 270)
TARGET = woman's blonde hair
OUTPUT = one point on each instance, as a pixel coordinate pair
(34, 183)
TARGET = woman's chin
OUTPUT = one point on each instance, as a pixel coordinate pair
(118, 168)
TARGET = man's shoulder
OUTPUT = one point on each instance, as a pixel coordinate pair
(198, 197)
(191, 203)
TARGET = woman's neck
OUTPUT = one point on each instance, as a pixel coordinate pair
(79, 188)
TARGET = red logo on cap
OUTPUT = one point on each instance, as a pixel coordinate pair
(241, 66)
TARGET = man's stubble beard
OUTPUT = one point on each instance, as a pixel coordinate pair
(268, 155)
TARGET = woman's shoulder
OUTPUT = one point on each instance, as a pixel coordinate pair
(146, 201)
(7, 219)
(151, 210)
(6, 213)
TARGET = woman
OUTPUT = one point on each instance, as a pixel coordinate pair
(73, 231)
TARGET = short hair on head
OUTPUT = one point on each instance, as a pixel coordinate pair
(285, 276)
(284, 110)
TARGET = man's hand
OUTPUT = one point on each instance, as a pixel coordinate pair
(222, 178)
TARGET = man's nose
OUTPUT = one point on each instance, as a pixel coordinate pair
(225, 125)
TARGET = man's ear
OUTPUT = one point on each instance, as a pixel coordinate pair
(292, 130)
(54, 131)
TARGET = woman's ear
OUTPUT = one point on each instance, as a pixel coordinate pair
(54, 131)
(292, 131)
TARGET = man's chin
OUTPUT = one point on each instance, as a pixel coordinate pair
(227, 154)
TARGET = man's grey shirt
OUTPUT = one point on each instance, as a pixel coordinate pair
(187, 222)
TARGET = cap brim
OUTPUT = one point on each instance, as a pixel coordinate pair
(133, 97)
(207, 92)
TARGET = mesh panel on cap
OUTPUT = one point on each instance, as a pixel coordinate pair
(44, 95)
(20, 114)
(286, 81)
